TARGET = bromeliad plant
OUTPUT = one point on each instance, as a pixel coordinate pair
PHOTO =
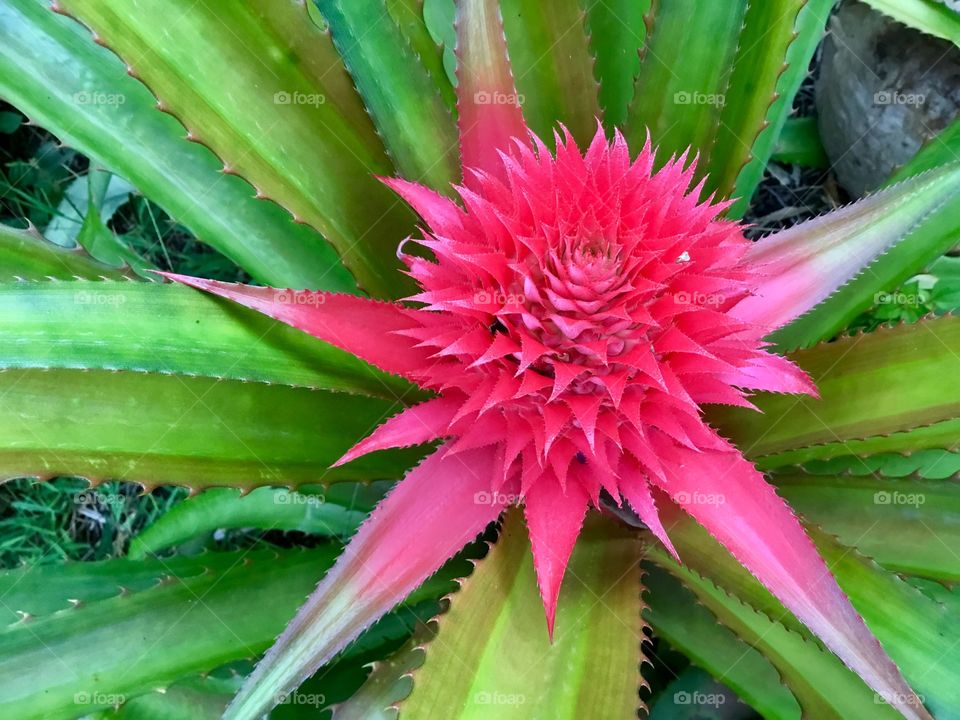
(584, 325)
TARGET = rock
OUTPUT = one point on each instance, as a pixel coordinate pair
(883, 91)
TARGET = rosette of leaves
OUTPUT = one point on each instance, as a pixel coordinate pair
(276, 118)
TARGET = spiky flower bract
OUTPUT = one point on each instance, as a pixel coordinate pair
(574, 321)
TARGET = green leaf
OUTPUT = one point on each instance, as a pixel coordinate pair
(390, 681)
(823, 687)
(695, 695)
(167, 328)
(552, 66)
(617, 34)
(410, 16)
(928, 16)
(27, 255)
(195, 698)
(97, 189)
(908, 526)
(799, 144)
(438, 16)
(265, 89)
(676, 616)
(929, 225)
(201, 432)
(942, 149)
(51, 589)
(778, 41)
(945, 294)
(871, 385)
(88, 204)
(682, 86)
(938, 436)
(491, 655)
(134, 626)
(50, 69)
(913, 628)
(105, 194)
(103, 651)
(10, 122)
(929, 464)
(264, 508)
(401, 96)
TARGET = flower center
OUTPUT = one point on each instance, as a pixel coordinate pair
(576, 303)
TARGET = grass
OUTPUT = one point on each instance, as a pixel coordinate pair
(61, 520)
(35, 172)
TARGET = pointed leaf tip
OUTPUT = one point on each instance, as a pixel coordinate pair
(736, 505)
(554, 518)
(807, 263)
(490, 115)
(366, 328)
(414, 426)
(439, 507)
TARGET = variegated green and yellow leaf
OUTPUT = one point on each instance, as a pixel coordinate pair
(51, 69)
(266, 90)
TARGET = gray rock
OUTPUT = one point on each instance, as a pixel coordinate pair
(883, 91)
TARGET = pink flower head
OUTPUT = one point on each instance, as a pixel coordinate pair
(574, 321)
(576, 313)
